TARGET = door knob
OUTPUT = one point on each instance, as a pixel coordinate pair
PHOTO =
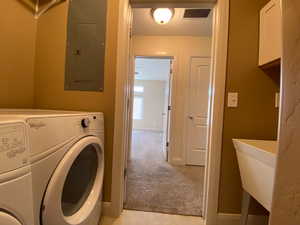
(191, 117)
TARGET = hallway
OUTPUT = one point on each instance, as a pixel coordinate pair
(155, 186)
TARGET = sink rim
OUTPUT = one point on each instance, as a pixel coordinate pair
(245, 141)
(254, 151)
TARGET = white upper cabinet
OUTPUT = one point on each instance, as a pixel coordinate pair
(270, 33)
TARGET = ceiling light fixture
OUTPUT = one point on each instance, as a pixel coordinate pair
(162, 15)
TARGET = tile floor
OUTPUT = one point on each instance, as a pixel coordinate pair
(130, 217)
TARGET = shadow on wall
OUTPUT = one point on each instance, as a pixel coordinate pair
(28, 4)
(31, 4)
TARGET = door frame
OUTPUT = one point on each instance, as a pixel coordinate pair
(131, 97)
(219, 66)
(169, 110)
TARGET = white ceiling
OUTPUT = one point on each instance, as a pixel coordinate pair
(143, 24)
(152, 69)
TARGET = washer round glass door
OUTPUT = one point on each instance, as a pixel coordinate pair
(73, 193)
(7, 219)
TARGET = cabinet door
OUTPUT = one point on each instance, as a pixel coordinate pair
(270, 32)
(86, 45)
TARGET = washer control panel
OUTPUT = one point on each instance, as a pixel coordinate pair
(85, 123)
(13, 147)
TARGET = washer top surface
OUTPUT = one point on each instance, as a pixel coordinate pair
(29, 113)
(9, 119)
(37, 112)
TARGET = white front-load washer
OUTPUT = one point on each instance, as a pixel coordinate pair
(16, 205)
(67, 161)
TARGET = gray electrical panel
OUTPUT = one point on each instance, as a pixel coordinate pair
(85, 56)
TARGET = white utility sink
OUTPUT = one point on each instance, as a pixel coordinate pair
(257, 160)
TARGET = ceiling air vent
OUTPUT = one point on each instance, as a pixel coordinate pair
(196, 13)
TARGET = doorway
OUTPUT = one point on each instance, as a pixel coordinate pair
(218, 55)
(153, 183)
(165, 168)
(152, 99)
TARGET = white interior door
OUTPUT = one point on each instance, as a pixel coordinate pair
(129, 74)
(198, 99)
(167, 114)
(128, 122)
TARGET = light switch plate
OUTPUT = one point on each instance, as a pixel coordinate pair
(232, 100)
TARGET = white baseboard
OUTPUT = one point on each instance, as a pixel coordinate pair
(177, 162)
(149, 129)
(107, 209)
(234, 219)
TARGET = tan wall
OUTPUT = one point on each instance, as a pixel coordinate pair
(154, 105)
(50, 70)
(256, 116)
(17, 34)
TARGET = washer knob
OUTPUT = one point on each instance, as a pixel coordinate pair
(85, 123)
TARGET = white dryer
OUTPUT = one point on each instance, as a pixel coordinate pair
(16, 206)
(67, 160)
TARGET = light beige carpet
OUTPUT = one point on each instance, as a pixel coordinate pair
(155, 186)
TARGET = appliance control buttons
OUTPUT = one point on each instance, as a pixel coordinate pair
(85, 122)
